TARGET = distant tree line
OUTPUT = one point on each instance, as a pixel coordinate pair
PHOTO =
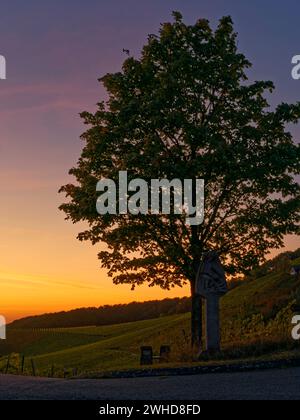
(107, 314)
(278, 263)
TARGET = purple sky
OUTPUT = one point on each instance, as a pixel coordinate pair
(56, 51)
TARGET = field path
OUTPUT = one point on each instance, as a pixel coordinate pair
(270, 384)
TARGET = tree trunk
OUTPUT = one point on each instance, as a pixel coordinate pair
(196, 320)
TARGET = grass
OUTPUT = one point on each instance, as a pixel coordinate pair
(256, 321)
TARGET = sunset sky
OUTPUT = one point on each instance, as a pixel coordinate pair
(55, 53)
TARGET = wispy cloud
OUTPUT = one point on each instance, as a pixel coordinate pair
(26, 281)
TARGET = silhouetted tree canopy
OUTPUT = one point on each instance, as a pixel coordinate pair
(185, 109)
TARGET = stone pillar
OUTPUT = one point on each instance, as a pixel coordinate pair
(212, 323)
(211, 285)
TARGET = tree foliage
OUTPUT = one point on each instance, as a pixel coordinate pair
(185, 109)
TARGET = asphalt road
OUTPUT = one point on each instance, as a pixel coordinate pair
(281, 384)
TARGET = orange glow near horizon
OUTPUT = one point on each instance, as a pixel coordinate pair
(44, 268)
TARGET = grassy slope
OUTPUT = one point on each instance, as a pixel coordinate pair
(116, 347)
(254, 314)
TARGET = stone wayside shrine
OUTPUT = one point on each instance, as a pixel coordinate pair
(211, 285)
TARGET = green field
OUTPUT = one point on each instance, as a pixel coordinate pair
(256, 320)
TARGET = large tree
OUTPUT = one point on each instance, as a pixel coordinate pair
(185, 109)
